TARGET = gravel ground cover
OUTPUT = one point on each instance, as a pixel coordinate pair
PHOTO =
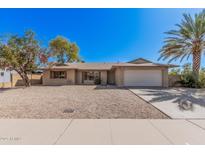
(77, 102)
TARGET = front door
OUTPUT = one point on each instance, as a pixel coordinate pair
(91, 77)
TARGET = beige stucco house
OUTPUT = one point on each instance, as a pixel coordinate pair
(139, 72)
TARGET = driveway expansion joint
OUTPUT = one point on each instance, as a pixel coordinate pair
(167, 138)
(111, 137)
(195, 124)
(66, 128)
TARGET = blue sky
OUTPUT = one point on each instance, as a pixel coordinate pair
(103, 35)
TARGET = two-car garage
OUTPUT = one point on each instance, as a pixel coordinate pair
(148, 77)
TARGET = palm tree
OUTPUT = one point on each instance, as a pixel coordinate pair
(188, 40)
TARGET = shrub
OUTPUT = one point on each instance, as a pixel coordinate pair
(201, 81)
(175, 71)
(188, 79)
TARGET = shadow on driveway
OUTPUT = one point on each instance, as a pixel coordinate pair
(176, 95)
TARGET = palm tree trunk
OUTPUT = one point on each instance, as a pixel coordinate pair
(196, 63)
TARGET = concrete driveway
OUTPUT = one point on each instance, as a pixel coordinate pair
(101, 131)
(178, 103)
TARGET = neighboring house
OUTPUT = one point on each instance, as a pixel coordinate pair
(5, 78)
(9, 79)
(139, 72)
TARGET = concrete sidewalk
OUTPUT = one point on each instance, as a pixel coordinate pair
(103, 131)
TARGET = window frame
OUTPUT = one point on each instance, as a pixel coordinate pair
(58, 74)
(2, 74)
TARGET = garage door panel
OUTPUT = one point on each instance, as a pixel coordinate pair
(142, 78)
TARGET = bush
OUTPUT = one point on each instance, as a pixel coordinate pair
(190, 80)
(175, 71)
(201, 81)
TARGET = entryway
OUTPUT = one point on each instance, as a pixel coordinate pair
(91, 77)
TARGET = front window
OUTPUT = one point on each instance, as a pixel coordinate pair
(2, 73)
(58, 74)
(89, 76)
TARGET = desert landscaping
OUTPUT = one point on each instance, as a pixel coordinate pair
(62, 102)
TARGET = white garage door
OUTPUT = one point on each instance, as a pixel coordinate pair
(143, 78)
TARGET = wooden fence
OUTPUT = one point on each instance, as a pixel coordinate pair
(174, 80)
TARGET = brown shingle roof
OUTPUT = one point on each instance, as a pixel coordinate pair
(145, 62)
(92, 66)
(83, 66)
(104, 66)
(107, 66)
(139, 61)
(145, 65)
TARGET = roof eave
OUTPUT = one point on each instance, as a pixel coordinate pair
(172, 65)
(57, 68)
(94, 69)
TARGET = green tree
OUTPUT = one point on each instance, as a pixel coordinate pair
(186, 69)
(64, 50)
(20, 53)
(203, 69)
(175, 71)
(187, 40)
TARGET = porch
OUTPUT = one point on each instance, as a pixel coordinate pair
(79, 77)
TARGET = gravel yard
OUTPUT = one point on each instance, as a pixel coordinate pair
(61, 102)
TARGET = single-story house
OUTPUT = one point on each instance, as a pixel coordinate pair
(139, 72)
